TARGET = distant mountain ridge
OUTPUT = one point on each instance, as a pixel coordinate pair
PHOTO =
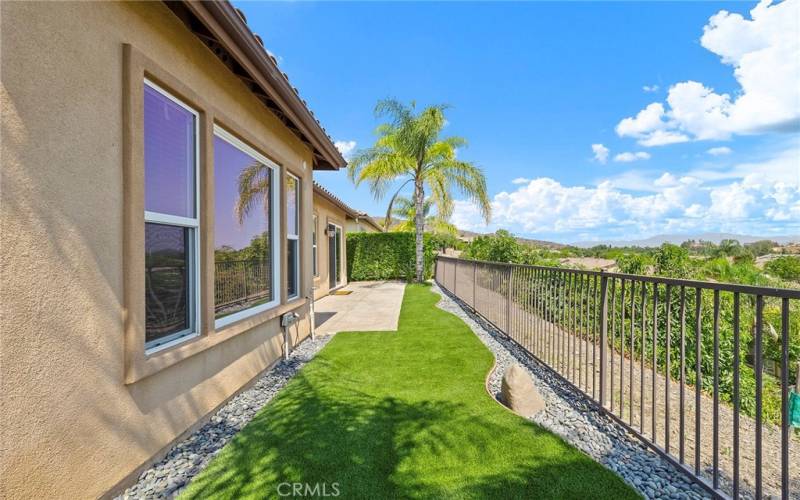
(653, 241)
(677, 239)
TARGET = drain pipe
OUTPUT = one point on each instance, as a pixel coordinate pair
(311, 314)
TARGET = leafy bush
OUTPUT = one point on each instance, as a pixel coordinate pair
(502, 246)
(498, 247)
(632, 263)
(729, 248)
(671, 260)
(443, 241)
(786, 267)
(381, 256)
(761, 247)
(746, 257)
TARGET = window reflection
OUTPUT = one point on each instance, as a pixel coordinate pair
(166, 280)
(242, 233)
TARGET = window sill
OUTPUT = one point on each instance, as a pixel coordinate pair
(225, 321)
(149, 351)
(149, 362)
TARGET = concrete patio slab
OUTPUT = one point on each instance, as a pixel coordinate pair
(372, 306)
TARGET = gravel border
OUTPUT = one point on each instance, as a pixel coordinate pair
(574, 417)
(167, 478)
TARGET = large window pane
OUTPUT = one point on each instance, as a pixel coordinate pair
(293, 236)
(167, 292)
(292, 278)
(291, 205)
(314, 263)
(169, 155)
(242, 233)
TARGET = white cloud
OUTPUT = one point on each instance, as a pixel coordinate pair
(628, 157)
(662, 138)
(345, 147)
(720, 151)
(650, 88)
(646, 121)
(695, 210)
(600, 153)
(764, 52)
(520, 180)
(666, 179)
(759, 198)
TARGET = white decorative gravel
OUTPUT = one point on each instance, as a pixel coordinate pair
(575, 418)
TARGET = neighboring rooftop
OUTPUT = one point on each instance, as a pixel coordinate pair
(351, 212)
(223, 29)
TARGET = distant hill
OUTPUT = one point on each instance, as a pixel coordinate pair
(653, 241)
(525, 241)
(468, 235)
(677, 239)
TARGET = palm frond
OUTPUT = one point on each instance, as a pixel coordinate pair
(387, 221)
(253, 186)
(469, 180)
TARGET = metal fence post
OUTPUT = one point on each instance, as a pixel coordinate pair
(474, 286)
(603, 336)
(455, 278)
(508, 302)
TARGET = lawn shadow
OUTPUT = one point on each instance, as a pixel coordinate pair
(311, 434)
(378, 447)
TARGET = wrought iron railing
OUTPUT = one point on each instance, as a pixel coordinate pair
(240, 282)
(679, 363)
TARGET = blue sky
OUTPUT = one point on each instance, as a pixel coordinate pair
(591, 120)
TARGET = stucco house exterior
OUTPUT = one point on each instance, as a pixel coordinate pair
(332, 220)
(157, 214)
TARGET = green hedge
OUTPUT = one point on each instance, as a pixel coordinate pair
(382, 256)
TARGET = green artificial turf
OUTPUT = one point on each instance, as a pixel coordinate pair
(398, 415)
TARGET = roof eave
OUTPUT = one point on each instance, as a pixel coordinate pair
(231, 32)
(348, 210)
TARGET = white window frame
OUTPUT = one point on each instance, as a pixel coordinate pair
(275, 229)
(315, 246)
(294, 237)
(193, 254)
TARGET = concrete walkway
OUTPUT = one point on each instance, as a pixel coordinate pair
(372, 306)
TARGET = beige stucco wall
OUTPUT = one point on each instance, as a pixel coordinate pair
(71, 428)
(326, 213)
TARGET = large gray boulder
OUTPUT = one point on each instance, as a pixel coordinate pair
(519, 393)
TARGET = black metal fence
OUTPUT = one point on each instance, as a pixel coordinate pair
(680, 363)
(240, 282)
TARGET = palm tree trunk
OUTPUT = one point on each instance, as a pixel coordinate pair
(419, 224)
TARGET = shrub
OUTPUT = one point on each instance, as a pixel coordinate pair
(761, 247)
(498, 247)
(671, 260)
(382, 256)
(632, 263)
(786, 267)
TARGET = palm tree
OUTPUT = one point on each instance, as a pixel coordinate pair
(254, 187)
(405, 209)
(409, 149)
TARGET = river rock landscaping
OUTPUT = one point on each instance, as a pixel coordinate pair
(186, 459)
